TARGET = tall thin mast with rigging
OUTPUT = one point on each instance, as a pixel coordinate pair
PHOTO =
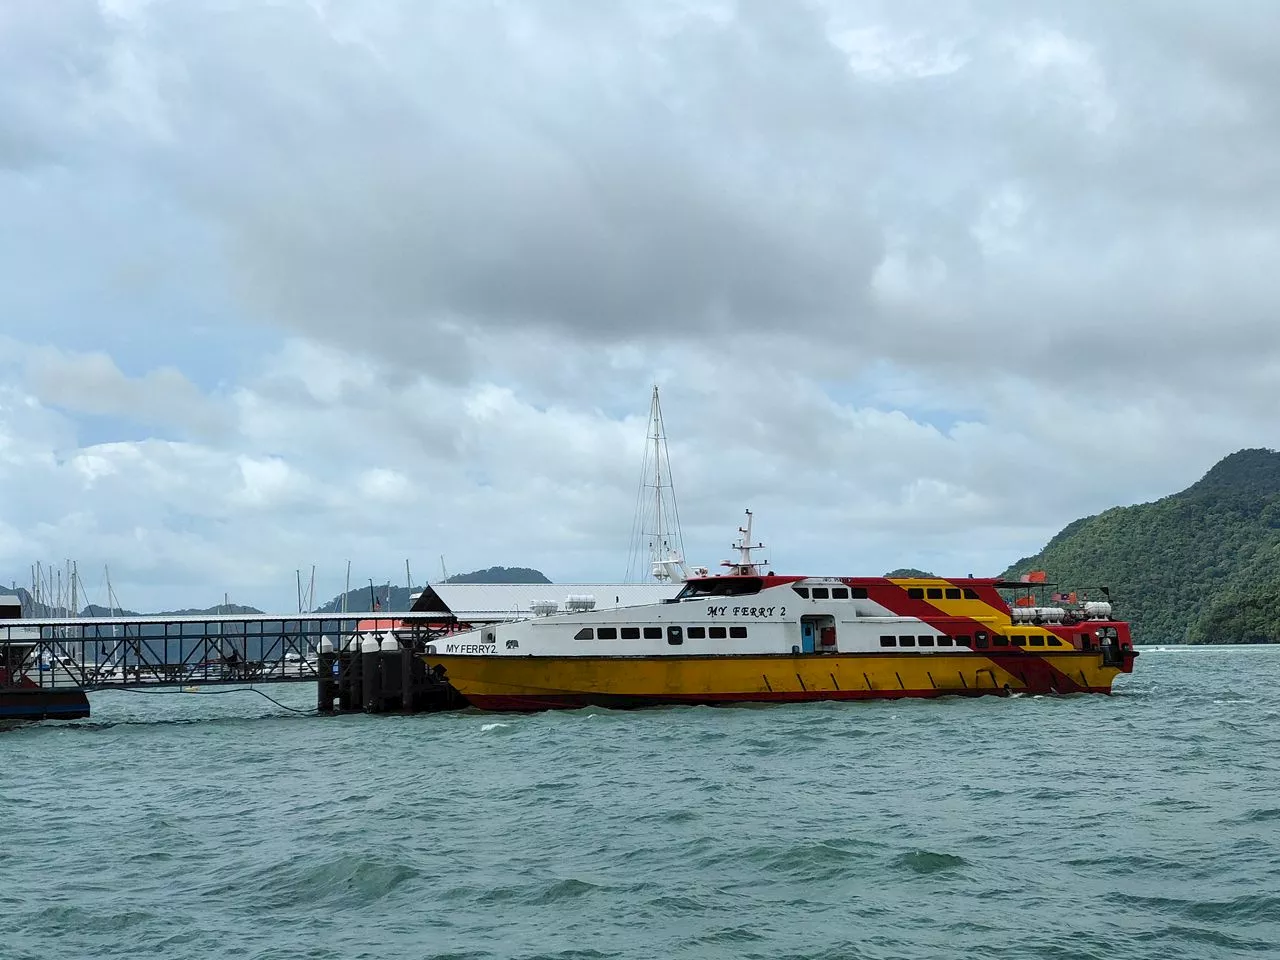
(657, 521)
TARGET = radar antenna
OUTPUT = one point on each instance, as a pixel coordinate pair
(745, 566)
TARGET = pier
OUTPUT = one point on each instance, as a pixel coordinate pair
(368, 663)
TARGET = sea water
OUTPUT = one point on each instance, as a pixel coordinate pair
(1144, 824)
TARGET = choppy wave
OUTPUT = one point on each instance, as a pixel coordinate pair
(1137, 825)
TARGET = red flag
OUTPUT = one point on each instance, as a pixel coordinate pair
(1025, 578)
(1024, 602)
(1036, 576)
(1071, 597)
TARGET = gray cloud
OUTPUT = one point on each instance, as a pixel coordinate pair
(398, 179)
(914, 278)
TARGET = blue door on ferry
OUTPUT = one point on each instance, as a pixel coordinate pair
(806, 637)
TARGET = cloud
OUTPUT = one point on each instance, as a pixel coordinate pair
(91, 383)
(920, 285)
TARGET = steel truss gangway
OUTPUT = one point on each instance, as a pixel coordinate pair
(105, 652)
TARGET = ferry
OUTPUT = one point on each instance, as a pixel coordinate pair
(748, 635)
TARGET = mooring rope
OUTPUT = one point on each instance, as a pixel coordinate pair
(210, 693)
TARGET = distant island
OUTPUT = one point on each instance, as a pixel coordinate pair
(500, 575)
(1200, 566)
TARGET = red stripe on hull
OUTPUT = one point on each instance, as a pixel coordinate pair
(1039, 675)
(573, 701)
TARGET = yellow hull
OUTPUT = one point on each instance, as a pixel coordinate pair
(537, 683)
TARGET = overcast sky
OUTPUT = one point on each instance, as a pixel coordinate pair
(296, 283)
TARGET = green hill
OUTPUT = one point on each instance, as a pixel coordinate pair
(1200, 566)
(500, 575)
(389, 597)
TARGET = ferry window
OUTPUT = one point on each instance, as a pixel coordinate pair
(980, 641)
(1000, 640)
(1037, 641)
(839, 593)
(953, 593)
(1053, 641)
(586, 633)
(915, 593)
(1019, 641)
(944, 641)
(970, 594)
(934, 593)
(888, 641)
(630, 633)
(717, 633)
(858, 593)
(803, 591)
(720, 587)
(607, 633)
(820, 593)
(675, 635)
(926, 641)
(962, 641)
(906, 641)
(696, 633)
(737, 633)
(653, 633)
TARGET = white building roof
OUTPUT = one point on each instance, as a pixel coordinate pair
(514, 601)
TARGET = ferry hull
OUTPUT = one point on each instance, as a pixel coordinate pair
(543, 683)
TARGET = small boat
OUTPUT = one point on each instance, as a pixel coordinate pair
(750, 635)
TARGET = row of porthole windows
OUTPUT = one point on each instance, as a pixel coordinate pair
(939, 593)
(832, 593)
(1017, 640)
(929, 641)
(860, 593)
(675, 634)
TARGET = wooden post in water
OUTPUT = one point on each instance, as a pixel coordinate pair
(406, 676)
(326, 685)
(371, 699)
(349, 679)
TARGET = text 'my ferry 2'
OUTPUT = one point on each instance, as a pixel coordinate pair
(750, 635)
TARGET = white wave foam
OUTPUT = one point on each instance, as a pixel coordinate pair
(492, 726)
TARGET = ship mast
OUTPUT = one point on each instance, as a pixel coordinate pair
(746, 564)
(657, 521)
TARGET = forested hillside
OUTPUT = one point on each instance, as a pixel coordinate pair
(1200, 566)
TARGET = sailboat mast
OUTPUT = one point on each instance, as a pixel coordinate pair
(655, 416)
